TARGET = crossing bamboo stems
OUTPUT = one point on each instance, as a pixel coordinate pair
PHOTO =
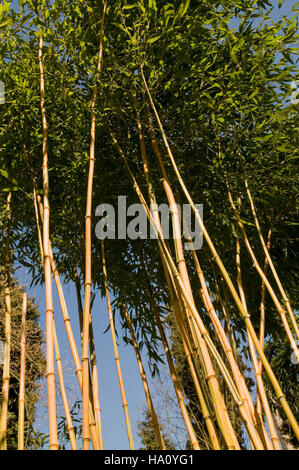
(88, 279)
(145, 382)
(259, 381)
(50, 374)
(268, 257)
(7, 330)
(21, 414)
(116, 355)
(65, 315)
(278, 391)
(174, 377)
(67, 413)
(263, 277)
(182, 263)
(249, 412)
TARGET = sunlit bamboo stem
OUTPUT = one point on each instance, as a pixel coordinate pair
(50, 374)
(259, 381)
(263, 276)
(21, 414)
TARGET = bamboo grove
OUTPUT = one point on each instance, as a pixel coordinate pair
(174, 102)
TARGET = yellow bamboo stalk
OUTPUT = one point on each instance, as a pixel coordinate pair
(268, 257)
(21, 415)
(276, 302)
(88, 280)
(7, 341)
(116, 354)
(221, 411)
(147, 393)
(68, 416)
(94, 384)
(278, 391)
(184, 273)
(50, 374)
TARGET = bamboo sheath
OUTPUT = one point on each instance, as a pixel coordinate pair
(21, 411)
(116, 354)
(144, 382)
(7, 332)
(65, 315)
(88, 279)
(279, 394)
